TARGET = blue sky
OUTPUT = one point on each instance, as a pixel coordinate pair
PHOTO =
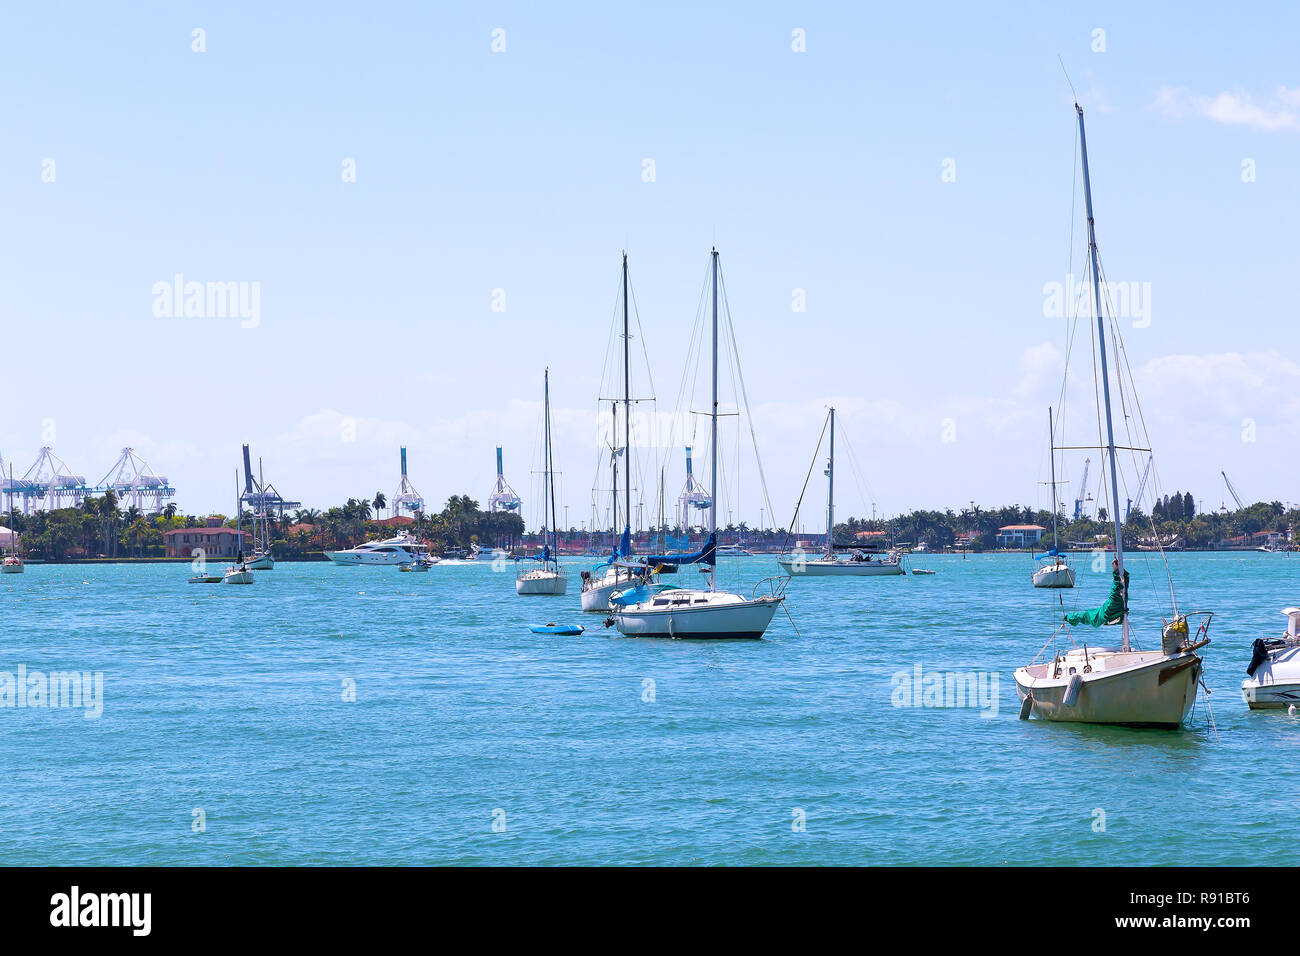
(522, 171)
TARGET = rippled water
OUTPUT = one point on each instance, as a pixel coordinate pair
(230, 700)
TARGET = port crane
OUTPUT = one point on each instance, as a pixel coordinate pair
(1232, 491)
(1083, 490)
(1141, 485)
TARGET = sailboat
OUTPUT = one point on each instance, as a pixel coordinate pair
(645, 611)
(238, 573)
(1121, 685)
(1053, 570)
(548, 579)
(621, 571)
(261, 559)
(13, 561)
(860, 564)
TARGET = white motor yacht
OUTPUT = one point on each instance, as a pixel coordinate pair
(401, 549)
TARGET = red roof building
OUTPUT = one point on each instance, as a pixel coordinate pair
(214, 542)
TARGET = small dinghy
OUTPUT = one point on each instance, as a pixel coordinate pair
(571, 629)
(922, 571)
(205, 579)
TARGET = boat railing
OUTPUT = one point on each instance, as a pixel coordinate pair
(773, 586)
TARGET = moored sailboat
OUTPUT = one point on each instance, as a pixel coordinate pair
(860, 563)
(548, 579)
(1054, 570)
(622, 570)
(13, 559)
(239, 572)
(656, 611)
(1120, 685)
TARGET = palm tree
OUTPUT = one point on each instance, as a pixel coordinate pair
(380, 503)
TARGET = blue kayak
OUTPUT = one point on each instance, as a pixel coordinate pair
(557, 629)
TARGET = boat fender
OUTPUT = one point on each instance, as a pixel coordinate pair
(1072, 690)
(1290, 710)
(1258, 653)
(1027, 705)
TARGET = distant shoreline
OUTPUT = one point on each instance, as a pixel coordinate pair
(319, 558)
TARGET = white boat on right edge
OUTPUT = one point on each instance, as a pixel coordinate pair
(1273, 677)
(1113, 685)
(860, 564)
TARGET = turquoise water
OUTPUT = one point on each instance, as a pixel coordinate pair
(230, 700)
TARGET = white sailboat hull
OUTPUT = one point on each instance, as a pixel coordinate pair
(1132, 688)
(541, 582)
(1054, 576)
(596, 598)
(824, 568)
(684, 614)
(260, 562)
(8, 568)
(596, 592)
(236, 576)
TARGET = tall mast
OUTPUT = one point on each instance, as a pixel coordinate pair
(239, 519)
(830, 495)
(1105, 376)
(713, 443)
(550, 477)
(627, 407)
(261, 499)
(1051, 446)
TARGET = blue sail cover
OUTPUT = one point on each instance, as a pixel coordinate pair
(706, 555)
(624, 547)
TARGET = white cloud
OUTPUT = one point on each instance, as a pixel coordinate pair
(1040, 365)
(1236, 108)
(1222, 389)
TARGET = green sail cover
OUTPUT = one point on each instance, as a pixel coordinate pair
(1112, 612)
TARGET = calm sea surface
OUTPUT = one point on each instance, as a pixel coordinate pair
(601, 749)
